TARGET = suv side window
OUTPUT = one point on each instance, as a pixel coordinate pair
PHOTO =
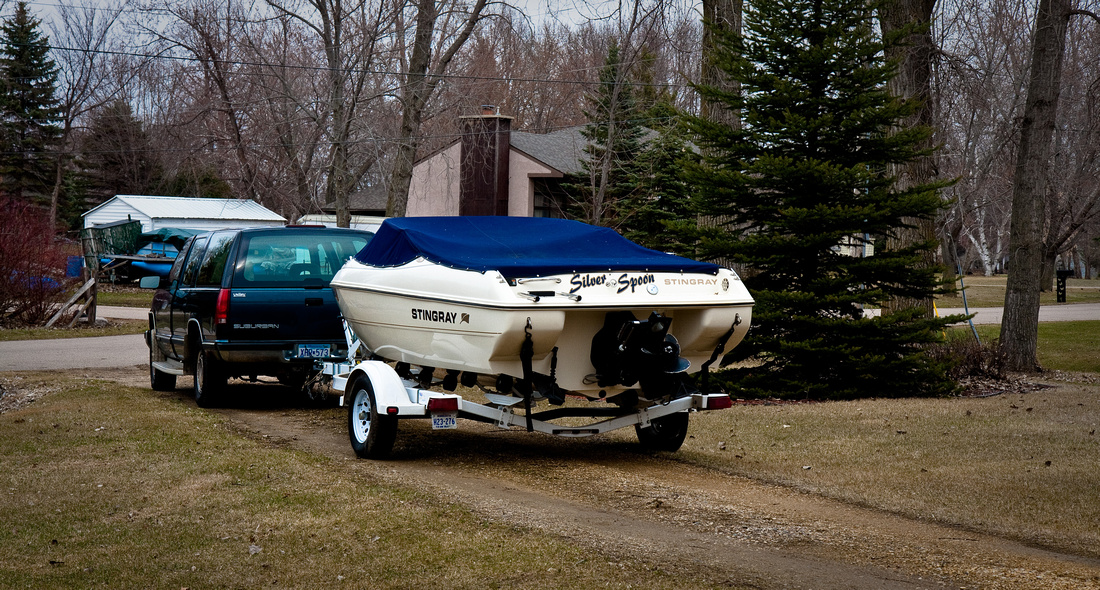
(191, 267)
(213, 264)
(177, 266)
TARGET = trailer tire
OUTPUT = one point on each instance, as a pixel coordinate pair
(666, 433)
(209, 380)
(158, 380)
(372, 434)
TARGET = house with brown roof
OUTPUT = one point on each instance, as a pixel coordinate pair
(492, 170)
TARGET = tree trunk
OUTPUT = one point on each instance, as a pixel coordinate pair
(949, 252)
(419, 85)
(1020, 323)
(55, 194)
(416, 95)
(724, 15)
(1046, 274)
(913, 82)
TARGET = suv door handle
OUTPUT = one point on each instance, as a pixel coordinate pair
(314, 302)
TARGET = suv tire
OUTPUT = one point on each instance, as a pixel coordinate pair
(209, 380)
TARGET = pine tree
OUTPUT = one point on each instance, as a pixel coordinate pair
(803, 197)
(614, 134)
(661, 200)
(116, 155)
(28, 107)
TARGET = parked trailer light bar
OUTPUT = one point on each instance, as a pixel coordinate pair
(443, 404)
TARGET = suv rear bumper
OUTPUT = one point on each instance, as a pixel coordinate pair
(272, 352)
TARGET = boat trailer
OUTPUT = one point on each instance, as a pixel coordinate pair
(379, 394)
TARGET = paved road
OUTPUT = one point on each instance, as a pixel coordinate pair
(1047, 313)
(73, 353)
(79, 353)
(122, 313)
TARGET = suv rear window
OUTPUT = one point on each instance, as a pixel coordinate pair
(289, 259)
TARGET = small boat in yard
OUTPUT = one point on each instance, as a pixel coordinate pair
(531, 311)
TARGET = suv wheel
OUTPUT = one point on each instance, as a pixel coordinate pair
(209, 380)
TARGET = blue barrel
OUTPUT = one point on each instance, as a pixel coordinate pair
(74, 266)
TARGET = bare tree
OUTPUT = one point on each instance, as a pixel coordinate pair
(979, 92)
(209, 32)
(82, 37)
(1020, 323)
(421, 75)
(347, 33)
(718, 16)
(1074, 195)
(613, 112)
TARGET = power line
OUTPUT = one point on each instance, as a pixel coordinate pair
(212, 146)
(510, 80)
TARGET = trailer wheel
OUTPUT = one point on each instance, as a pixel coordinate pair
(666, 433)
(158, 380)
(209, 380)
(372, 434)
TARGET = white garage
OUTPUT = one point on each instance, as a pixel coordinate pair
(156, 212)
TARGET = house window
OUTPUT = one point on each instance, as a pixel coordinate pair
(548, 197)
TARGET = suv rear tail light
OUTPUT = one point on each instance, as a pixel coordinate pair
(221, 312)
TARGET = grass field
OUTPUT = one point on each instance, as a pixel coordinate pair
(118, 487)
(124, 296)
(115, 486)
(112, 328)
(990, 292)
(1017, 465)
(1062, 346)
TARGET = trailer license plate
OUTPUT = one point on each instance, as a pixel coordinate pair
(444, 420)
(313, 351)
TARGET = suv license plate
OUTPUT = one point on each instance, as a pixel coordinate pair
(444, 420)
(313, 351)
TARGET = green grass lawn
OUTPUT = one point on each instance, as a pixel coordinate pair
(1062, 346)
(124, 296)
(111, 328)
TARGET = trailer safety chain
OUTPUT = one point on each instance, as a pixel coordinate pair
(526, 353)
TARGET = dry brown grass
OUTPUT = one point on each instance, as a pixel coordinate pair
(117, 487)
(1022, 466)
(990, 292)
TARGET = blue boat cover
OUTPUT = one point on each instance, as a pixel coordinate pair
(517, 247)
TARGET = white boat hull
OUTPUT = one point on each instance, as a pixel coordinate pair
(430, 315)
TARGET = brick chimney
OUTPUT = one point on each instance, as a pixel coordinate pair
(486, 141)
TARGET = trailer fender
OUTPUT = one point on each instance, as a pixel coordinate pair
(389, 390)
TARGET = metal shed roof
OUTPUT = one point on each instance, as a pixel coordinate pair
(160, 207)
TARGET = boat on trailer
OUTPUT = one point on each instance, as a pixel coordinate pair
(531, 311)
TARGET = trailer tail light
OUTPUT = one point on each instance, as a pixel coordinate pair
(719, 402)
(221, 312)
(443, 404)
